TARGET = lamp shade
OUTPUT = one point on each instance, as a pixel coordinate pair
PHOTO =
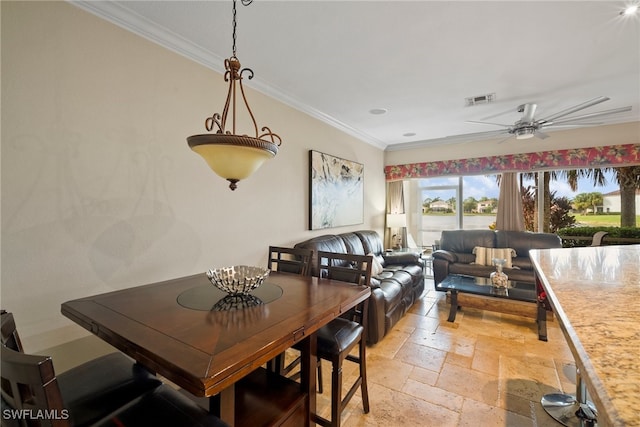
(233, 158)
(396, 220)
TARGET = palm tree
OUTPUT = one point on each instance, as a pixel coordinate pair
(627, 177)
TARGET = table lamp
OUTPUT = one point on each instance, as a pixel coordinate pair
(396, 221)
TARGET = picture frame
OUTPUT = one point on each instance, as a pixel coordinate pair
(336, 191)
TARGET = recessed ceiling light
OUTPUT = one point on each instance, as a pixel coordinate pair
(409, 134)
(630, 10)
(378, 111)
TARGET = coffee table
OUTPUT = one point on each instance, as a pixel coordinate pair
(517, 298)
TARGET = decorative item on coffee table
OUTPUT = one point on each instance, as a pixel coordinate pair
(499, 278)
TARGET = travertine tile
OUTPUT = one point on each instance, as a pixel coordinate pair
(389, 408)
(485, 369)
(434, 395)
(476, 414)
(391, 373)
(469, 383)
(424, 375)
(422, 356)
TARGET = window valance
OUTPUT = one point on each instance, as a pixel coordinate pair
(575, 158)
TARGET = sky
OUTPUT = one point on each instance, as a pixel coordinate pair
(481, 186)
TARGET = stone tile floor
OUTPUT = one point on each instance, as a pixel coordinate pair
(485, 369)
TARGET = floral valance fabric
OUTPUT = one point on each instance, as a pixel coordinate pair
(576, 158)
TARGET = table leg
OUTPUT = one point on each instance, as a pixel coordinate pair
(309, 366)
(223, 405)
(454, 306)
(542, 321)
(570, 410)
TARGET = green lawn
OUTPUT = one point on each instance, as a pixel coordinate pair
(601, 220)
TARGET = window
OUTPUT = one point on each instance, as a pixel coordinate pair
(449, 203)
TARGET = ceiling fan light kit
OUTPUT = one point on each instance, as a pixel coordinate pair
(525, 133)
(231, 155)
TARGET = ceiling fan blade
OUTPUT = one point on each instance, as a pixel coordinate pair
(528, 111)
(571, 110)
(487, 123)
(569, 125)
(591, 116)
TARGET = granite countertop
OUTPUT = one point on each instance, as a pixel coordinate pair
(595, 294)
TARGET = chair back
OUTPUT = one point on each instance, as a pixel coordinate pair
(345, 267)
(290, 260)
(348, 268)
(30, 389)
(598, 237)
(10, 337)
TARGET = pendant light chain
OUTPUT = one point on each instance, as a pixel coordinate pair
(235, 24)
(234, 28)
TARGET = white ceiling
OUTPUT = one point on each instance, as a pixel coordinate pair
(419, 60)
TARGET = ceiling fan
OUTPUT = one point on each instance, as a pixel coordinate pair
(529, 126)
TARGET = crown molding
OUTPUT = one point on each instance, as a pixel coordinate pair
(118, 14)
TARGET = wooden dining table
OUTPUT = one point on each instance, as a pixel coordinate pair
(214, 346)
(595, 294)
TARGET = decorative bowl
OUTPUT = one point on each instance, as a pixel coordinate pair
(239, 279)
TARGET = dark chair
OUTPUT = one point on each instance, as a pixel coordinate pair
(295, 261)
(598, 237)
(90, 390)
(337, 339)
(10, 337)
(82, 395)
(30, 388)
(290, 260)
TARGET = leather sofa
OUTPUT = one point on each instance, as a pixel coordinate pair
(456, 252)
(393, 291)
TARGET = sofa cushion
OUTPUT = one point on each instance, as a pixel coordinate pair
(353, 243)
(523, 241)
(371, 242)
(326, 243)
(521, 262)
(466, 258)
(485, 256)
(392, 294)
(461, 241)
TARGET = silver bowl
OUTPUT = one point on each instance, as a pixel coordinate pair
(239, 279)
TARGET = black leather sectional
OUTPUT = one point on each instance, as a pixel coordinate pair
(455, 255)
(393, 291)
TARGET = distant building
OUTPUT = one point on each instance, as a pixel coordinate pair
(484, 207)
(611, 202)
(440, 205)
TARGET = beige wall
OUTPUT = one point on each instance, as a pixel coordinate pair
(99, 188)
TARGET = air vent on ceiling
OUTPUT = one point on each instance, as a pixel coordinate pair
(480, 99)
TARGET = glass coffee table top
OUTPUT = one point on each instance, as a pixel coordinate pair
(520, 291)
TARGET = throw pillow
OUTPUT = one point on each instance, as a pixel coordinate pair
(484, 256)
(376, 267)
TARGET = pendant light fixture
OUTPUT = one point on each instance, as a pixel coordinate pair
(231, 155)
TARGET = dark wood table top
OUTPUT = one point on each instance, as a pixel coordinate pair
(205, 351)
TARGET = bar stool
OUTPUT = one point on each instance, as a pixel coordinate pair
(570, 410)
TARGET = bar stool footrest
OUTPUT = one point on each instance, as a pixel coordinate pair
(565, 409)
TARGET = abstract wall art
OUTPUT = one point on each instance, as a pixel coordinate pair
(336, 191)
